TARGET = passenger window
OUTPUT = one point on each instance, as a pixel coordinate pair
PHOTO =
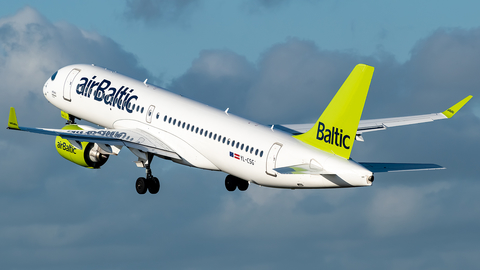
(256, 152)
(241, 148)
(183, 126)
(158, 115)
(196, 131)
(219, 137)
(214, 137)
(246, 149)
(223, 140)
(233, 143)
(251, 150)
(188, 126)
(210, 136)
(170, 120)
(237, 144)
(165, 119)
(179, 123)
(142, 110)
(261, 154)
(206, 133)
(201, 131)
(174, 121)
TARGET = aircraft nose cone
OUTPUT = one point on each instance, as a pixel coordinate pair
(46, 90)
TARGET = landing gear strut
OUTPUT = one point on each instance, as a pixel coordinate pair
(149, 183)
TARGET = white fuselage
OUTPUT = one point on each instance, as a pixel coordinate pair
(202, 136)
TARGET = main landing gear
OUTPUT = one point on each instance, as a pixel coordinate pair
(232, 182)
(149, 183)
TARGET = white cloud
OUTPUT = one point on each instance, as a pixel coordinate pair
(403, 210)
(159, 11)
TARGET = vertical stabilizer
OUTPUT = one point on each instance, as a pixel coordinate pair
(335, 130)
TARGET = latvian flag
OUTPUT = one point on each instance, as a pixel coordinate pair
(237, 156)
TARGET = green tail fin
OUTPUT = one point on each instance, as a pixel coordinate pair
(335, 130)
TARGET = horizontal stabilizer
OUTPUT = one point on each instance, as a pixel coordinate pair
(399, 167)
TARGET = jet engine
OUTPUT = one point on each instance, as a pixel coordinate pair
(85, 154)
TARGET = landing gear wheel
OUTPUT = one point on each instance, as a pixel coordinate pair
(153, 185)
(230, 183)
(141, 185)
(149, 183)
(242, 185)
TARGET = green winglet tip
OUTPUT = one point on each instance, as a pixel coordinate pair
(455, 108)
(12, 119)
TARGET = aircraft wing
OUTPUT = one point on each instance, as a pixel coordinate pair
(132, 138)
(384, 123)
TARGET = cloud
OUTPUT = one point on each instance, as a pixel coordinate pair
(159, 11)
(219, 78)
(32, 50)
(293, 81)
(446, 62)
(259, 6)
(57, 215)
(289, 75)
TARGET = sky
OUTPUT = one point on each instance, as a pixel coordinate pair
(275, 62)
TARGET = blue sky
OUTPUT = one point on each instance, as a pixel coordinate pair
(270, 61)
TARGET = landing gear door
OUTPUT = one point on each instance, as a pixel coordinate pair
(272, 159)
(67, 87)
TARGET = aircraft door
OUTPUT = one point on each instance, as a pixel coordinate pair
(272, 159)
(150, 113)
(67, 87)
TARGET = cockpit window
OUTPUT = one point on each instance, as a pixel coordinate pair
(54, 75)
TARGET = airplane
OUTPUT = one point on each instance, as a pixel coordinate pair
(151, 121)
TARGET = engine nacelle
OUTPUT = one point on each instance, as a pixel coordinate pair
(89, 155)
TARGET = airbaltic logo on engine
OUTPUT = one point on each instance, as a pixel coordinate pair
(66, 147)
(121, 98)
(332, 136)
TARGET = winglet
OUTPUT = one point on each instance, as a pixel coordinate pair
(335, 130)
(455, 108)
(12, 119)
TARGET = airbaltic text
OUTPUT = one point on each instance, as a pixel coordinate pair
(66, 147)
(332, 136)
(121, 98)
